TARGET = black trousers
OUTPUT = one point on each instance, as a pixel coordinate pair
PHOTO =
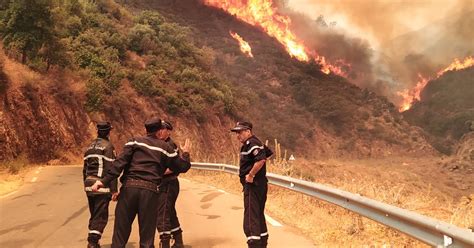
(168, 223)
(255, 226)
(99, 210)
(133, 201)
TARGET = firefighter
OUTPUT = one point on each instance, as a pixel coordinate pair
(168, 224)
(252, 173)
(97, 161)
(143, 161)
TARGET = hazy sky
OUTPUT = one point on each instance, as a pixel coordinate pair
(380, 20)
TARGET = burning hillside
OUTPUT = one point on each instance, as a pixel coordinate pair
(288, 98)
(348, 50)
(410, 96)
(445, 108)
(244, 45)
(263, 14)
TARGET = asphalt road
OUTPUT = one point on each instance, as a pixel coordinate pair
(50, 210)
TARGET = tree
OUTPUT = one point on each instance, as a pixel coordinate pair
(26, 26)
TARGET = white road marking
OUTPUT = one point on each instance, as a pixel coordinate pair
(272, 221)
(34, 179)
(222, 191)
(9, 194)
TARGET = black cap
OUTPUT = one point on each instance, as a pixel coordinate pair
(242, 125)
(167, 125)
(152, 125)
(104, 126)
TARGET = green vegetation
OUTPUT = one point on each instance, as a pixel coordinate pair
(112, 47)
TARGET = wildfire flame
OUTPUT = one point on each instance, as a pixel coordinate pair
(409, 96)
(244, 45)
(262, 13)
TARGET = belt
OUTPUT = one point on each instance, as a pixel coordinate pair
(134, 183)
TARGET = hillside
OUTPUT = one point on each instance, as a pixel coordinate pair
(446, 109)
(324, 112)
(178, 61)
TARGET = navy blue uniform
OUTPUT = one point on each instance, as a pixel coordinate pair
(97, 161)
(255, 194)
(143, 162)
(168, 222)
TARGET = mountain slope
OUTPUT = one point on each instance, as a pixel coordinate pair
(128, 63)
(290, 100)
(446, 108)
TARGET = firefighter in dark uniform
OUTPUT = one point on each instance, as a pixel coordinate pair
(168, 224)
(252, 173)
(143, 161)
(97, 161)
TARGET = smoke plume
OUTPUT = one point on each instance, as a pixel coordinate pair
(387, 43)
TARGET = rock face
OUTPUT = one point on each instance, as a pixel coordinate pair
(41, 123)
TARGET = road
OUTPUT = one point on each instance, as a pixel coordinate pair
(50, 210)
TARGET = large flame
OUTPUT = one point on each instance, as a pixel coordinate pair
(410, 96)
(262, 13)
(244, 45)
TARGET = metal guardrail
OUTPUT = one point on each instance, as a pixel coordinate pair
(428, 230)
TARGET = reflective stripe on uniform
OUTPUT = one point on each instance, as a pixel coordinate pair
(175, 229)
(251, 149)
(264, 234)
(253, 237)
(101, 190)
(101, 162)
(95, 232)
(167, 232)
(154, 148)
(101, 167)
(99, 156)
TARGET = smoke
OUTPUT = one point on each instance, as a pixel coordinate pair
(388, 43)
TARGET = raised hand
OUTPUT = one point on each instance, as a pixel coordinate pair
(187, 146)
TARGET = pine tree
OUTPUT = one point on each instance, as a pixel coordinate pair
(26, 26)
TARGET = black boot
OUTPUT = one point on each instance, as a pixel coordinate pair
(93, 245)
(178, 240)
(165, 243)
(93, 240)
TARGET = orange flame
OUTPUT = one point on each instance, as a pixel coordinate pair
(409, 96)
(262, 13)
(244, 45)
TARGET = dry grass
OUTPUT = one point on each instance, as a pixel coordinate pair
(12, 174)
(17, 73)
(329, 225)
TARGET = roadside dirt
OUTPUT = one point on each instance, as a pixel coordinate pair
(11, 182)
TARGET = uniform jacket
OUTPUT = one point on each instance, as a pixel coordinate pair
(251, 152)
(146, 159)
(98, 159)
